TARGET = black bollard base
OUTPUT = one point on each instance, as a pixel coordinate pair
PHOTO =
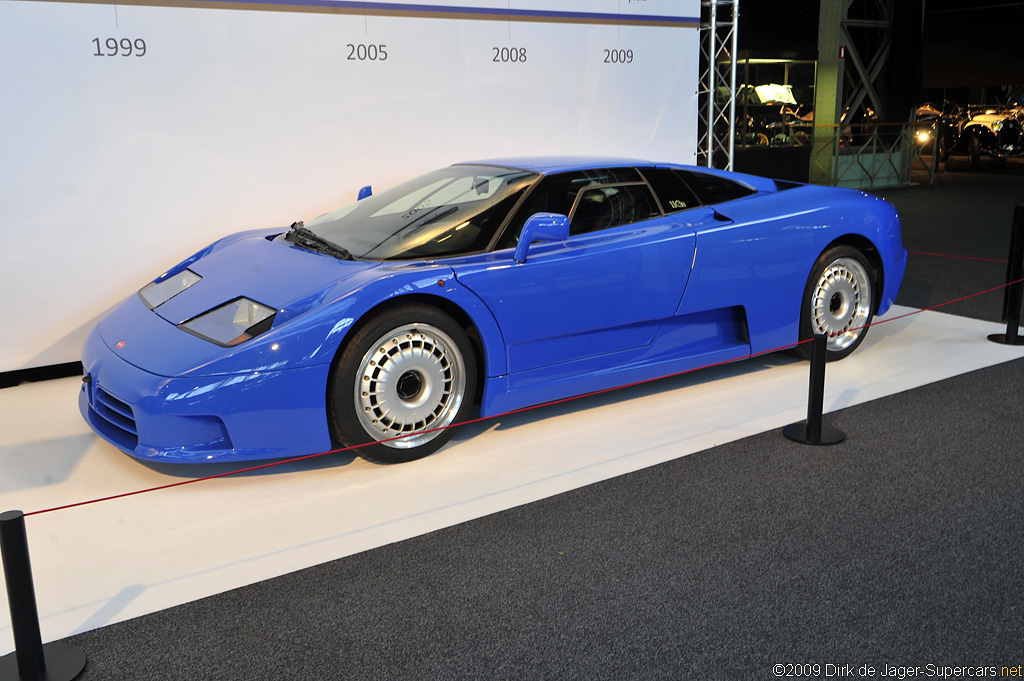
(798, 432)
(64, 662)
(1002, 339)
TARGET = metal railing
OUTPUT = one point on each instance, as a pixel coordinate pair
(876, 155)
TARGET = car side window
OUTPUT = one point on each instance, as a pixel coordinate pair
(605, 207)
(712, 189)
(558, 193)
(671, 190)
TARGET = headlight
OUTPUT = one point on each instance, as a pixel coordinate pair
(923, 135)
(159, 292)
(232, 323)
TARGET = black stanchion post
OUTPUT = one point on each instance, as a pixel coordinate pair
(1014, 273)
(813, 431)
(31, 660)
(21, 595)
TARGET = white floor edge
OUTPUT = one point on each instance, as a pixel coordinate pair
(107, 562)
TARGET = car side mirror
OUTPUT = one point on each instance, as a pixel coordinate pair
(541, 227)
(365, 193)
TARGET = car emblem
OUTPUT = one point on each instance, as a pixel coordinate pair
(120, 344)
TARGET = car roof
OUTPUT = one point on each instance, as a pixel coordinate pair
(558, 164)
(546, 165)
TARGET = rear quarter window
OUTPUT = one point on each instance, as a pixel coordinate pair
(713, 189)
(672, 192)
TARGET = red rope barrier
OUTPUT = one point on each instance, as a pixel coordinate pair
(936, 307)
(956, 257)
(497, 416)
(401, 437)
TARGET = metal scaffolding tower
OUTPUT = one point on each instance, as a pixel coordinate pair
(858, 33)
(716, 96)
(869, 41)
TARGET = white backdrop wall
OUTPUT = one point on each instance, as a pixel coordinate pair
(131, 135)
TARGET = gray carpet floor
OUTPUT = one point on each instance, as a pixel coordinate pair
(901, 546)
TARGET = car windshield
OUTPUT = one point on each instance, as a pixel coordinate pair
(452, 211)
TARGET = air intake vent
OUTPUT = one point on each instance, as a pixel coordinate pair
(115, 418)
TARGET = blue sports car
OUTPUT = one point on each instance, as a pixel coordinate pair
(479, 288)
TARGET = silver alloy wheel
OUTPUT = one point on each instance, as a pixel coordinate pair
(412, 379)
(841, 303)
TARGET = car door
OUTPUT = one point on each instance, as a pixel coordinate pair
(604, 290)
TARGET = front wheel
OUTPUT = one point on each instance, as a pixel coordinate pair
(974, 151)
(945, 146)
(838, 302)
(401, 382)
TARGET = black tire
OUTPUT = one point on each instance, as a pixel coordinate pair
(410, 369)
(945, 146)
(974, 151)
(838, 300)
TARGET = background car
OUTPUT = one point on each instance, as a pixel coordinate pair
(483, 287)
(938, 125)
(995, 132)
(771, 116)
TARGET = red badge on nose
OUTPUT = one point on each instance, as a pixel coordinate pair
(120, 344)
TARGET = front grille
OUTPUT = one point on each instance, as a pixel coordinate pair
(115, 418)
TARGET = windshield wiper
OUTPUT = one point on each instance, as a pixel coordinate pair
(306, 238)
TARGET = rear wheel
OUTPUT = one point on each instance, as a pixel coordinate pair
(838, 302)
(401, 381)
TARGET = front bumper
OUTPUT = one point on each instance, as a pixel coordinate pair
(239, 417)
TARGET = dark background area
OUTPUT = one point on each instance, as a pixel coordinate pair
(963, 50)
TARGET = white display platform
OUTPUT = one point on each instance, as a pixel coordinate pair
(99, 564)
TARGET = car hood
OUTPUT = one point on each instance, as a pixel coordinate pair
(270, 271)
(267, 270)
(989, 119)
